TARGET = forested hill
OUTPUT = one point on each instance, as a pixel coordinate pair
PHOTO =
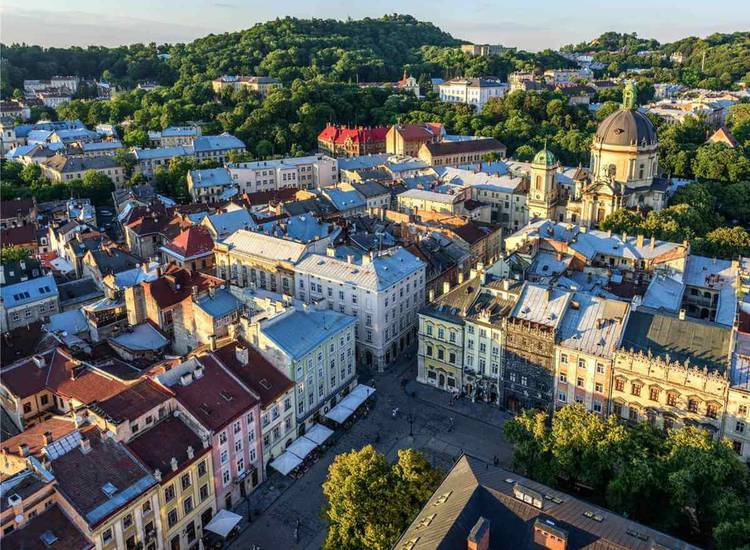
(289, 48)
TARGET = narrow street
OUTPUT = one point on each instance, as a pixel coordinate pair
(281, 502)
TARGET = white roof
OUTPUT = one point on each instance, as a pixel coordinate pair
(223, 522)
(266, 246)
(482, 180)
(301, 447)
(593, 324)
(382, 272)
(428, 196)
(541, 304)
(286, 462)
(714, 274)
(664, 293)
(318, 434)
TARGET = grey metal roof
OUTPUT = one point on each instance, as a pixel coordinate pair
(626, 127)
(593, 324)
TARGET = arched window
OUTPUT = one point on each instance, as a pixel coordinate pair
(539, 182)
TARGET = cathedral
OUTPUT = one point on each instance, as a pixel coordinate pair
(622, 173)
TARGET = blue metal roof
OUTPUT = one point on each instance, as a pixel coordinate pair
(72, 322)
(302, 331)
(173, 131)
(344, 200)
(217, 143)
(227, 223)
(221, 304)
(29, 291)
(162, 152)
(210, 177)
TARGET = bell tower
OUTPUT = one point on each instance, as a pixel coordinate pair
(543, 190)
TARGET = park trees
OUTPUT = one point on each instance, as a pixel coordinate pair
(370, 502)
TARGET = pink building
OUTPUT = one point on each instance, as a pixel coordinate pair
(230, 414)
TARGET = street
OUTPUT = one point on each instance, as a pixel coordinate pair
(439, 430)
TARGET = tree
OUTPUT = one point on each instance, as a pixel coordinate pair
(717, 162)
(31, 173)
(724, 242)
(370, 502)
(14, 253)
(127, 161)
(623, 221)
(136, 138)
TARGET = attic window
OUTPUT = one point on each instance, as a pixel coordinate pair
(592, 515)
(425, 521)
(636, 534)
(266, 384)
(48, 538)
(553, 498)
(226, 396)
(410, 544)
(509, 480)
(443, 498)
(109, 489)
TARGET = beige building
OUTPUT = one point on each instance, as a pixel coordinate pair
(671, 372)
(406, 139)
(455, 153)
(260, 84)
(589, 334)
(64, 169)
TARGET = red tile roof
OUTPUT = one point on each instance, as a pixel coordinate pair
(339, 134)
(176, 284)
(132, 402)
(419, 132)
(25, 378)
(34, 436)
(26, 234)
(147, 220)
(54, 520)
(215, 399)
(70, 379)
(169, 438)
(10, 209)
(285, 194)
(194, 241)
(258, 374)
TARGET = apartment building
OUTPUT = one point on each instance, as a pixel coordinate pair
(351, 142)
(63, 169)
(260, 84)
(149, 161)
(315, 348)
(28, 301)
(216, 148)
(590, 333)
(384, 291)
(406, 139)
(308, 172)
(456, 153)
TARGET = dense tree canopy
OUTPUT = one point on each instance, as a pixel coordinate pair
(694, 486)
(371, 502)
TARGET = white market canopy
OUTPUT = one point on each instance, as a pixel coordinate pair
(301, 447)
(339, 413)
(318, 434)
(286, 462)
(350, 403)
(223, 522)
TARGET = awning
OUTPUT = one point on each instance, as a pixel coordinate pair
(339, 413)
(362, 391)
(301, 447)
(318, 434)
(285, 463)
(223, 522)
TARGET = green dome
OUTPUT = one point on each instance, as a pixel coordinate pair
(545, 158)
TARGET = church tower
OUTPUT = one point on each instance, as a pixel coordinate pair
(543, 190)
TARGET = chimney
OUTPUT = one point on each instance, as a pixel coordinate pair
(330, 252)
(479, 536)
(652, 242)
(446, 287)
(506, 284)
(624, 236)
(473, 274)
(460, 277)
(48, 438)
(173, 464)
(212, 342)
(39, 361)
(194, 291)
(548, 293)
(242, 354)
(85, 445)
(367, 258)
(190, 452)
(431, 295)
(350, 258)
(681, 314)
(23, 450)
(157, 474)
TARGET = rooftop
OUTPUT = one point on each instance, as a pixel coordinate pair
(592, 324)
(218, 305)
(467, 146)
(140, 337)
(210, 177)
(222, 142)
(266, 246)
(194, 242)
(542, 305)
(36, 436)
(300, 332)
(704, 345)
(26, 292)
(50, 529)
(132, 402)
(383, 270)
(474, 490)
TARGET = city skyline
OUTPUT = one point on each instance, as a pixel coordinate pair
(544, 24)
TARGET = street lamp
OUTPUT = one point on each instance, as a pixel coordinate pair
(410, 419)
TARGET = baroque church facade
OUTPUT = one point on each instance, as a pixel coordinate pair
(622, 173)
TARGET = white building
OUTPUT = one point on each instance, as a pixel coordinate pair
(384, 292)
(297, 172)
(472, 91)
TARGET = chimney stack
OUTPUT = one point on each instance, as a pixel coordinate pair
(173, 463)
(48, 437)
(446, 287)
(85, 445)
(242, 354)
(431, 295)
(190, 452)
(460, 277)
(23, 450)
(479, 536)
(639, 241)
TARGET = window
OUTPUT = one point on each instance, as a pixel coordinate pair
(633, 414)
(737, 446)
(653, 394)
(579, 382)
(187, 505)
(204, 492)
(127, 521)
(672, 399)
(581, 363)
(617, 409)
(202, 468)
(524, 381)
(237, 427)
(169, 493)
(600, 368)
(238, 445)
(240, 465)
(146, 508)
(223, 438)
(225, 477)
(27, 408)
(563, 358)
(693, 405)
(562, 397)
(635, 389)
(599, 387)
(107, 536)
(452, 357)
(224, 456)
(185, 481)
(172, 518)
(441, 353)
(597, 406)
(712, 411)
(563, 378)
(739, 427)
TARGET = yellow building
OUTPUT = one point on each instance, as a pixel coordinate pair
(180, 462)
(671, 372)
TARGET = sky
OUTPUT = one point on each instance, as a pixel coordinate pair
(528, 24)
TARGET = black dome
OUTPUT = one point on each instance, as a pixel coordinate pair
(626, 127)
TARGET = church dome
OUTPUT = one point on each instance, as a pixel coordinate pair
(626, 127)
(544, 158)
